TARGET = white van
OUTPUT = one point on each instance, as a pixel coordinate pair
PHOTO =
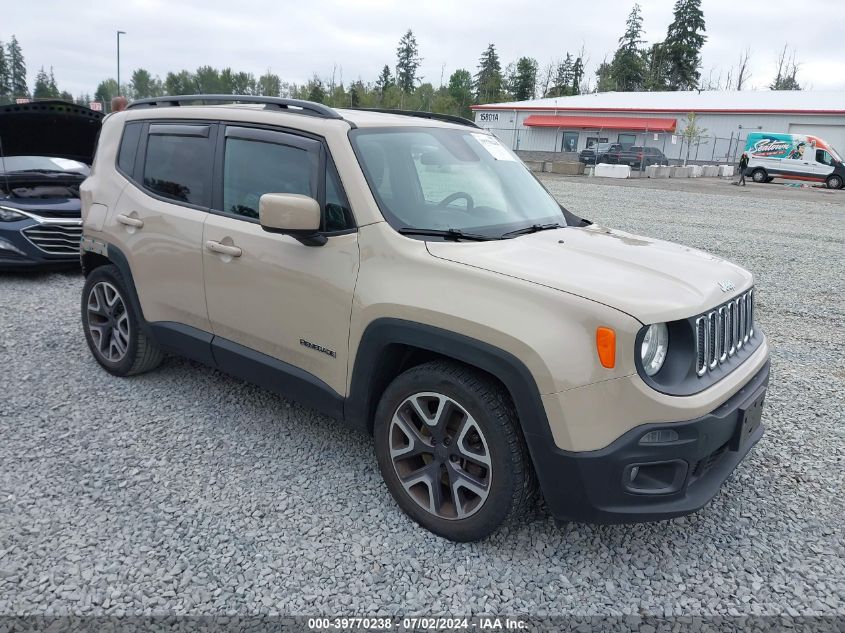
(794, 157)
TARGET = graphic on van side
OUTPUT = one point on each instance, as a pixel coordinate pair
(790, 146)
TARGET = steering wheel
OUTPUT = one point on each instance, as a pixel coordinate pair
(458, 195)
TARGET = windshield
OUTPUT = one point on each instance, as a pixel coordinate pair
(41, 163)
(442, 179)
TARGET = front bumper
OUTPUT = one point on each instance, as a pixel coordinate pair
(19, 253)
(596, 486)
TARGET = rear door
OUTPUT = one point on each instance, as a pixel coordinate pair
(278, 297)
(158, 223)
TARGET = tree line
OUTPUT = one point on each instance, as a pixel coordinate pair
(671, 64)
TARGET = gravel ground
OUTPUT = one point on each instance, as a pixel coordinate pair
(185, 491)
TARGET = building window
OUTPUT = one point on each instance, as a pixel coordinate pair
(570, 142)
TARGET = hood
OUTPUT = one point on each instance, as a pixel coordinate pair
(651, 280)
(49, 128)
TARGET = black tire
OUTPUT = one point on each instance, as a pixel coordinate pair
(759, 175)
(834, 182)
(512, 483)
(770, 179)
(141, 354)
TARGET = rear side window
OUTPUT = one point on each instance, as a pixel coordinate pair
(178, 166)
(129, 148)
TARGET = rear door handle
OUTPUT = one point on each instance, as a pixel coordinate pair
(223, 249)
(128, 221)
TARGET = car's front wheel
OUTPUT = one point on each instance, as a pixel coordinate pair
(834, 182)
(112, 327)
(450, 449)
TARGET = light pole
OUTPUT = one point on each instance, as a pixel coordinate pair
(119, 33)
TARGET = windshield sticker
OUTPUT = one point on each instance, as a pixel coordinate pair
(493, 146)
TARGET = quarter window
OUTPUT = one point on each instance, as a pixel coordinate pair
(179, 168)
(128, 148)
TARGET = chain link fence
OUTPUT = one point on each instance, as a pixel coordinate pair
(551, 145)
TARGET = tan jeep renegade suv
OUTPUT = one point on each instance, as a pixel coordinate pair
(407, 274)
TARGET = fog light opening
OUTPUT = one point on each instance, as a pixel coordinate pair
(655, 478)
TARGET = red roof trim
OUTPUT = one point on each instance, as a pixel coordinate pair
(667, 110)
(602, 122)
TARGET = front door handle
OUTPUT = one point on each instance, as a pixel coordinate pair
(223, 249)
(129, 221)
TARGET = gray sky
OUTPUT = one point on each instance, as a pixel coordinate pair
(295, 39)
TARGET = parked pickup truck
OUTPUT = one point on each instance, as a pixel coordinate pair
(606, 153)
(640, 157)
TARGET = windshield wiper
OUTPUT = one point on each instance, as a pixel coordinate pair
(534, 228)
(447, 234)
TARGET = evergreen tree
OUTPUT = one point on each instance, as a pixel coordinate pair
(488, 79)
(577, 76)
(656, 68)
(357, 91)
(17, 69)
(407, 62)
(682, 46)
(522, 82)
(787, 72)
(41, 90)
(316, 92)
(4, 75)
(604, 77)
(51, 85)
(460, 89)
(628, 68)
(383, 83)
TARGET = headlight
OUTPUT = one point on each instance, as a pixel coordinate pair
(10, 215)
(654, 347)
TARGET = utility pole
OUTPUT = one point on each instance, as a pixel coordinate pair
(119, 33)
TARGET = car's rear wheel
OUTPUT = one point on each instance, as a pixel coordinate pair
(834, 182)
(450, 450)
(112, 327)
(759, 175)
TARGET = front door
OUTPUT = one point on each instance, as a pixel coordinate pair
(279, 297)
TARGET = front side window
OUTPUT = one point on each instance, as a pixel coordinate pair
(253, 168)
(179, 168)
(443, 178)
(823, 157)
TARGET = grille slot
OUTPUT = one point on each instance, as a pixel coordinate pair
(55, 239)
(722, 332)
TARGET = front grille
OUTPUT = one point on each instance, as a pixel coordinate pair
(55, 239)
(723, 331)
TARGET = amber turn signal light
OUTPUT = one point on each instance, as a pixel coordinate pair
(606, 346)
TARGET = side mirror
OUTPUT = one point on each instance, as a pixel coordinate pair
(292, 214)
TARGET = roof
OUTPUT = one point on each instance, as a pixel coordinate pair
(602, 122)
(753, 101)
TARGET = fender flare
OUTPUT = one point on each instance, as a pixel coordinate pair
(374, 351)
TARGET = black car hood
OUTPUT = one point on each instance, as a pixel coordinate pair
(50, 128)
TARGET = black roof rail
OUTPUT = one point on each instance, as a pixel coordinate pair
(307, 107)
(449, 118)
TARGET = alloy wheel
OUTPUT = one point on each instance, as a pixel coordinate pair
(108, 322)
(440, 455)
